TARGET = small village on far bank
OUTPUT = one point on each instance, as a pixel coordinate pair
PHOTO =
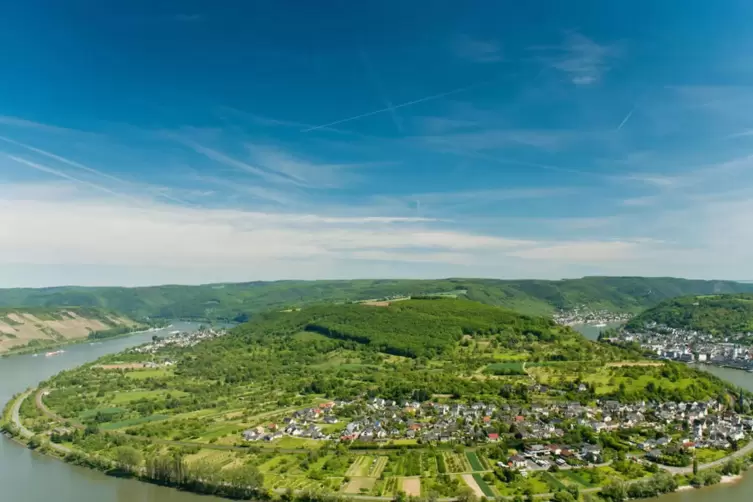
(691, 346)
(665, 342)
(585, 315)
(180, 339)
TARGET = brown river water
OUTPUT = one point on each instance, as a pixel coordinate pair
(26, 476)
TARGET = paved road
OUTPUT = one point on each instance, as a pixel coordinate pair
(26, 432)
(748, 448)
(16, 419)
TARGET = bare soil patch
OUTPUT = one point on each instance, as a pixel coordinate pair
(468, 478)
(377, 304)
(412, 486)
(122, 366)
(636, 363)
(356, 484)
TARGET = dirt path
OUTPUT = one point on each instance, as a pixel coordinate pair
(635, 363)
(468, 478)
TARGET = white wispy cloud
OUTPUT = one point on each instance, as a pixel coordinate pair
(63, 175)
(64, 160)
(29, 124)
(583, 61)
(440, 125)
(491, 139)
(477, 50)
(302, 171)
(128, 186)
(229, 161)
(51, 227)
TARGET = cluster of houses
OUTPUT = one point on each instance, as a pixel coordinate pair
(692, 346)
(306, 423)
(541, 457)
(180, 339)
(584, 315)
(706, 424)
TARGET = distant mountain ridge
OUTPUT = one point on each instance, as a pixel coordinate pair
(228, 301)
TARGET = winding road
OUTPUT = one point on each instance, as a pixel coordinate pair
(26, 433)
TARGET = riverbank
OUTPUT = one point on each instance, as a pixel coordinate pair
(76, 341)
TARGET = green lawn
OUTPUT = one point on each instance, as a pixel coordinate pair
(510, 367)
(475, 462)
(134, 421)
(144, 374)
(482, 484)
(706, 455)
(127, 397)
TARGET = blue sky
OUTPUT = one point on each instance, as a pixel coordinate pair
(194, 142)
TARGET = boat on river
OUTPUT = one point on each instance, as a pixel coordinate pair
(54, 353)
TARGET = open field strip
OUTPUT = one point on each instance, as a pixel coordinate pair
(360, 466)
(411, 486)
(357, 484)
(377, 466)
(485, 488)
(476, 464)
(456, 462)
(471, 482)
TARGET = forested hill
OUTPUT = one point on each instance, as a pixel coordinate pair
(717, 314)
(425, 330)
(238, 300)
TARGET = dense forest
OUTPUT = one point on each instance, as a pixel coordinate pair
(716, 314)
(241, 300)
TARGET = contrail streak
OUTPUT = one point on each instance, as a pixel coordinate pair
(63, 160)
(380, 90)
(391, 109)
(80, 166)
(627, 117)
(60, 174)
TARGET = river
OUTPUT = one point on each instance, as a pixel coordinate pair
(592, 332)
(26, 476)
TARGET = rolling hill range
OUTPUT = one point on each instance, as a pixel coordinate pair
(39, 326)
(238, 300)
(716, 314)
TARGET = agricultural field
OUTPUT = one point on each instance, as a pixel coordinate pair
(411, 486)
(473, 459)
(485, 488)
(360, 485)
(457, 462)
